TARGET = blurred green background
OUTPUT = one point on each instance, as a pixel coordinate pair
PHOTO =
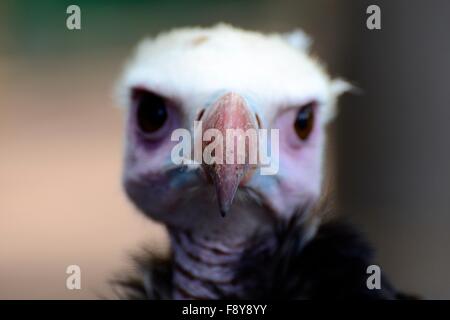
(38, 27)
(61, 201)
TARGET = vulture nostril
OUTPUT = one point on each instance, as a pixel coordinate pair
(200, 114)
(258, 121)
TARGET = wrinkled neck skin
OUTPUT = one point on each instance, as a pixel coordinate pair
(206, 268)
(207, 265)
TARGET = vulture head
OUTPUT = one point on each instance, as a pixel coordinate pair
(225, 78)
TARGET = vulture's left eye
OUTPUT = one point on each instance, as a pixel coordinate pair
(304, 121)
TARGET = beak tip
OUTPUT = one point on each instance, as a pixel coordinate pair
(224, 207)
(223, 213)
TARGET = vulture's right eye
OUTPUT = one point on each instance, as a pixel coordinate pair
(151, 112)
(304, 121)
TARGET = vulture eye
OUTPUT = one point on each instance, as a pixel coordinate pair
(304, 121)
(151, 111)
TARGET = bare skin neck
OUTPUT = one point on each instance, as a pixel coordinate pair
(210, 269)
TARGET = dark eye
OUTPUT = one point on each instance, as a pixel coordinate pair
(151, 111)
(304, 121)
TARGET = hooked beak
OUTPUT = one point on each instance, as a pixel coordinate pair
(233, 165)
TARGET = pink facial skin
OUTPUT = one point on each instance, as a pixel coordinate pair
(300, 174)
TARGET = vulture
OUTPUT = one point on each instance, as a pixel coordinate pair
(235, 231)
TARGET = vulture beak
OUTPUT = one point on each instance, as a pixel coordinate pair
(230, 111)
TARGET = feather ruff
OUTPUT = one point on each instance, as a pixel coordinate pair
(332, 265)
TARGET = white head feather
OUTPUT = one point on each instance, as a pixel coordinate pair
(274, 69)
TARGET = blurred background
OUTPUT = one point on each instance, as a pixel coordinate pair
(61, 201)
